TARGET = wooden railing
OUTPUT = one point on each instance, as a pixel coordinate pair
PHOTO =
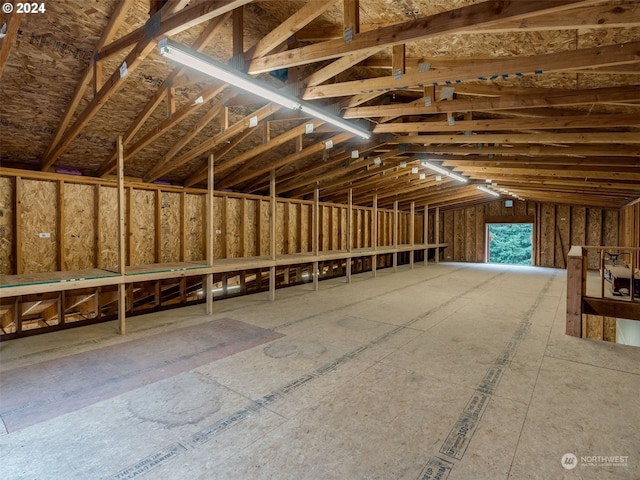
(624, 278)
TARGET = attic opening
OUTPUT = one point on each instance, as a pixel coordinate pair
(509, 243)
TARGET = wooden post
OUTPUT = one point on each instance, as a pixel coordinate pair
(349, 232)
(244, 228)
(374, 234)
(209, 237)
(436, 227)
(315, 226)
(60, 226)
(272, 239)
(425, 234)
(395, 235)
(158, 227)
(18, 227)
(316, 276)
(631, 277)
(412, 231)
(97, 251)
(602, 273)
(121, 239)
(183, 227)
(576, 289)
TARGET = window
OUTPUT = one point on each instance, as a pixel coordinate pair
(510, 243)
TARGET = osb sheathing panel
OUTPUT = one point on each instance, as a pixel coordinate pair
(325, 234)
(143, 227)
(547, 234)
(343, 229)
(233, 228)
(578, 225)
(366, 228)
(219, 226)
(610, 227)
(281, 226)
(194, 231)
(305, 219)
(292, 221)
(170, 227)
(265, 236)
(7, 238)
(79, 226)
(594, 236)
(38, 204)
(562, 243)
(598, 327)
(250, 219)
(108, 220)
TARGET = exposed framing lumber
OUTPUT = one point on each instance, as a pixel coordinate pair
(165, 167)
(109, 164)
(455, 21)
(13, 25)
(615, 138)
(209, 238)
(513, 66)
(584, 121)
(303, 16)
(163, 25)
(310, 150)
(503, 102)
(60, 221)
(121, 239)
(117, 17)
(598, 16)
(272, 234)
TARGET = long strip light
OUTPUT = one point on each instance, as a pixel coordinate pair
(488, 190)
(220, 71)
(444, 171)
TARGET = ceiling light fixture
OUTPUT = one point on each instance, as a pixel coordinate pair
(488, 190)
(444, 171)
(209, 66)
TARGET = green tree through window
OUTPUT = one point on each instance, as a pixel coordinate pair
(510, 243)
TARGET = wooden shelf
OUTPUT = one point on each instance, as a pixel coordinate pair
(28, 283)
(162, 271)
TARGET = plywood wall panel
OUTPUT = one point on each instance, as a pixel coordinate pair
(547, 234)
(265, 235)
(578, 226)
(233, 238)
(594, 236)
(305, 219)
(170, 227)
(610, 227)
(108, 220)
(79, 226)
(446, 236)
(293, 240)
(480, 234)
(7, 221)
(143, 227)
(470, 234)
(563, 243)
(281, 227)
(250, 218)
(219, 227)
(38, 216)
(194, 231)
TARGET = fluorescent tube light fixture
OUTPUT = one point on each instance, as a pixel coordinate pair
(444, 171)
(220, 71)
(488, 190)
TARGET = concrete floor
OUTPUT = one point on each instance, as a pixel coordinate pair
(453, 371)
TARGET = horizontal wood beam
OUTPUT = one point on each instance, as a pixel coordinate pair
(454, 21)
(504, 102)
(165, 167)
(163, 25)
(500, 67)
(599, 16)
(533, 150)
(557, 123)
(615, 138)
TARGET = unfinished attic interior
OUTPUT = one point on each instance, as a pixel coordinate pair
(277, 226)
